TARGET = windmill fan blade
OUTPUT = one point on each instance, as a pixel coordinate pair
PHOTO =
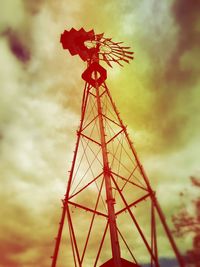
(103, 48)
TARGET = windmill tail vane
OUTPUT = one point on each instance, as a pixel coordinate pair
(110, 215)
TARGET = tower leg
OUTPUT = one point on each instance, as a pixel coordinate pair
(171, 240)
(58, 238)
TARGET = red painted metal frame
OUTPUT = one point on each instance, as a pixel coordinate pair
(107, 175)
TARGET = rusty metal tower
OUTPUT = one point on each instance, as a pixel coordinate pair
(110, 212)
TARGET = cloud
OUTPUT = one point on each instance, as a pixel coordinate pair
(180, 77)
(187, 19)
(35, 115)
(163, 78)
(33, 7)
(40, 106)
(17, 46)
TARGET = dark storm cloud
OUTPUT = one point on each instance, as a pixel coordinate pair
(186, 15)
(16, 26)
(17, 46)
(175, 83)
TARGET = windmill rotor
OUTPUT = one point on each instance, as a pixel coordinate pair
(89, 45)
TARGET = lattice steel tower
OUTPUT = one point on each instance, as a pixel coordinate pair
(110, 212)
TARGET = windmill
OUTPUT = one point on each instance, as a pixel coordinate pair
(110, 211)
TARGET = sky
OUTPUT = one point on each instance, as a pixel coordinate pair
(41, 88)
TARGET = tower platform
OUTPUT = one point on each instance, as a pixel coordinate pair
(125, 263)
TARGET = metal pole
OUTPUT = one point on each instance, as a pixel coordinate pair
(168, 232)
(107, 177)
